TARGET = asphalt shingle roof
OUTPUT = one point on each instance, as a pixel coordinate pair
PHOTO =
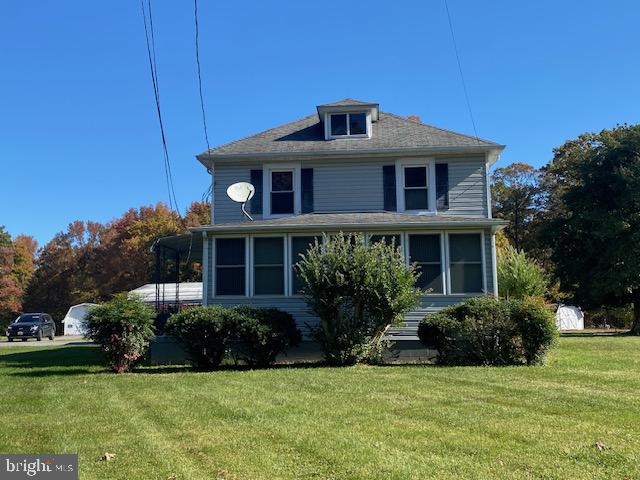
(306, 136)
(354, 220)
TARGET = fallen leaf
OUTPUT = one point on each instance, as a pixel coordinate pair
(107, 457)
(600, 446)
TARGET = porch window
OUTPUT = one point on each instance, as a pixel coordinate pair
(465, 262)
(268, 266)
(425, 251)
(299, 246)
(282, 193)
(230, 266)
(415, 188)
(389, 239)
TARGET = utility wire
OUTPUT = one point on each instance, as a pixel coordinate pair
(151, 53)
(464, 85)
(208, 192)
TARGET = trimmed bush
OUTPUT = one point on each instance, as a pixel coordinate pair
(490, 331)
(204, 333)
(123, 328)
(262, 334)
(357, 291)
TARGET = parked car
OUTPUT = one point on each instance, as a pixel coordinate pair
(32, 325)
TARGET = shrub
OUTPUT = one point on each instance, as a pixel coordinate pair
(123, 328)
(490, 331)
(357, 291)
(519, 276)
(263, 333)
(204, 332)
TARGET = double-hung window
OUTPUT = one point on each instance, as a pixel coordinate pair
(348, 124)
(282, 192)
(268, 266)
(425, 251)
(416, 192)
(230, 266)
(300, 246)
(465, 262)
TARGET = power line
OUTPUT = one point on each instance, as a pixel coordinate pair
(151, 53)
(464, 85)
(205, 195)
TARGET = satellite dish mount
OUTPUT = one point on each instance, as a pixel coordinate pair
(241, 193)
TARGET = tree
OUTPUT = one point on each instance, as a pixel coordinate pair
(198, 213)
(592, 217)
(24, 251)
(518, 276)
(516, 196)
(10, 293)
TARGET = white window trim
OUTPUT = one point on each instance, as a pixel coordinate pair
(443, 256)
(215, 266)
(267, 169)
(430, 165)
(327, 125)
(251, 273)
(482, 259)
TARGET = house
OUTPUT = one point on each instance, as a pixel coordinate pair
(350, 167)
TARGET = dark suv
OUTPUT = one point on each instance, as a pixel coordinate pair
(32, 325)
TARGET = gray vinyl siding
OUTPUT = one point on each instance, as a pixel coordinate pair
(467, 187)
(352, 186)
(225, 210)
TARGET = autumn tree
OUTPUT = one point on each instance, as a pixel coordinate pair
(516, 196)
(592, 217)
(10, 293)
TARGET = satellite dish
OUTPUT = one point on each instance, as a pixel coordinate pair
(241, 192)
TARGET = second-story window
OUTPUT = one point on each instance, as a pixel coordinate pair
(348, 124)
(282, 195)
(416, 194)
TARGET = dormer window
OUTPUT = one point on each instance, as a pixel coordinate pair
(348, 119)
(348, 125)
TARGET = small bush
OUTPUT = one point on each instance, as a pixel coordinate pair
(490, 331)
(519, 276)
(123, 328)
(357, 292)
(204, 332)
(263, 333)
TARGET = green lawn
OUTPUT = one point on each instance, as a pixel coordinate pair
(364, 422)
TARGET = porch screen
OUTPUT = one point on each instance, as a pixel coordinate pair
(465, 262)
(299, 245)
(425, 251)
(268, 266)
(230, 266)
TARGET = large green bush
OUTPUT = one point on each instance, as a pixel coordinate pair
(253, 335)
(204, 333)
(261, 334)
(123, 328)
(490, 331)
(357, 292)
(519, 276)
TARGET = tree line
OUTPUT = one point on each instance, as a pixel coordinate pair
(578, 217)
(89, 261)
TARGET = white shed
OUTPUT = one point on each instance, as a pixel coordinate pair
(74, 319)
(569, 318)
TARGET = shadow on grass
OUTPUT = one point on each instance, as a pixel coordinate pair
(67, 360)
(596, 333)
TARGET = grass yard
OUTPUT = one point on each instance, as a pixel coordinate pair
(395, 422)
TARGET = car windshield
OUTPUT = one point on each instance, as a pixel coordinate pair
(28, 318)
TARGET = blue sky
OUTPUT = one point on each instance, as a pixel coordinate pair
(79, 138)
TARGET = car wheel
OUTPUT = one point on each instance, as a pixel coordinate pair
(51, 335)
(39, 336)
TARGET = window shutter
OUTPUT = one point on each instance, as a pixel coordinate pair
(442, 186)
(255, 205)
(307, 189)
(389, 187)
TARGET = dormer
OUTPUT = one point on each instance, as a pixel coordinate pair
(348, 119)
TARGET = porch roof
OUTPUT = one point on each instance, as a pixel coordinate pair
(350, 221)
(188, 246)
